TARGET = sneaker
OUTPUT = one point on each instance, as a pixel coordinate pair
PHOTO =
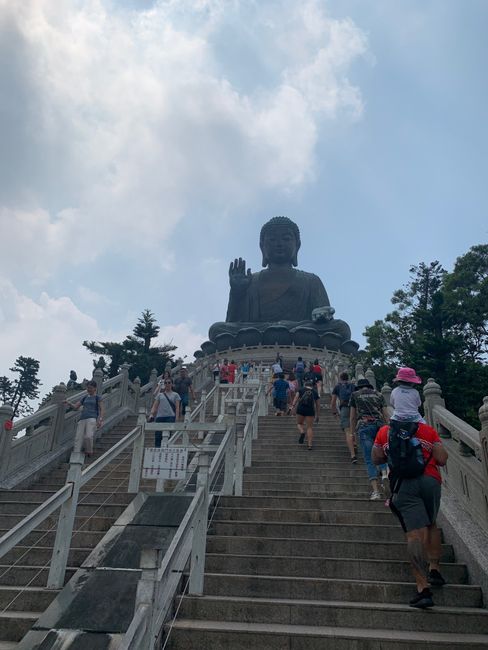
(301, 439)
(354, 460)
(435, 578)
(422, 600)
(375, 496)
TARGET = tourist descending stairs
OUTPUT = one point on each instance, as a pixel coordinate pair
(306, 561)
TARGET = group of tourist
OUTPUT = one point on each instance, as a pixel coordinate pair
(226, 372)
(406, 452)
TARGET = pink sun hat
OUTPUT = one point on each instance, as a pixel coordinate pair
(407, 374)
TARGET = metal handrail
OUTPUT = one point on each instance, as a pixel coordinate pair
(29, 523)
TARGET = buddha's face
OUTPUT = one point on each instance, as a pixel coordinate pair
(279, 245)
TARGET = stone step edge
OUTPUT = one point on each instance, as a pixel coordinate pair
(382, 583)
(267, 509)
(467, 640)
(32, 590)
(302, 523)
(350, 604)
(9, 614)
(346, 560)
(304, 540)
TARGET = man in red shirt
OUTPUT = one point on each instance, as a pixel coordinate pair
(416, 502)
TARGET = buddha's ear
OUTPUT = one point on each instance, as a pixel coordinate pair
(295, 256)
(265, 261)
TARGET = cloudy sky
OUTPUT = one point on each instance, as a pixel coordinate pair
(144, 143)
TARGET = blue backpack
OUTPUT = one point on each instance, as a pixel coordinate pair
(345, 391)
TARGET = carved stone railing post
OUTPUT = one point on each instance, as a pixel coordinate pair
(359, 371)
(228, 486)
(483, 415)
(197, 561)
(124, 386)
(369, 374)
(58, 424)
(6, 433)
(432, 397)
(153, 378)
(386, 392)
(137, 393)
(98, 378)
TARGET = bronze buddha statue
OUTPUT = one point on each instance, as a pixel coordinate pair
(279, 304)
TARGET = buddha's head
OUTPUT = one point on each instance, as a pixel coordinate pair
(280, 241)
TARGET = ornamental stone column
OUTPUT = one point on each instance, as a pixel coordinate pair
(6, 434)
(483, 416)
(433, 397)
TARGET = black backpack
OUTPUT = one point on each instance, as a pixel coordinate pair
(405, 457)
(306, 401)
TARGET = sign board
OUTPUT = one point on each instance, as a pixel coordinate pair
(165, 462)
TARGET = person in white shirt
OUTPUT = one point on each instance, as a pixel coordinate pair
(405, 398)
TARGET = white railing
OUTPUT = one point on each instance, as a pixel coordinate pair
(161, 576)
(466, 472)
(50, 432)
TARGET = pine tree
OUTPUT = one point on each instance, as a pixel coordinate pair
(26, 386)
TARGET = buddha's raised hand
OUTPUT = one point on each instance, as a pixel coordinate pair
(239, 278)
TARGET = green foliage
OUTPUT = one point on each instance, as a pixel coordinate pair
(135, 350)
(439, 327)
(23, 388)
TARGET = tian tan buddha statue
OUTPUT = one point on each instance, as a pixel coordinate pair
(279, 304)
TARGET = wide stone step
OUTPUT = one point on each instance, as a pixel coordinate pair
(32, 576)
(330, 567)
(366, 534)
(218, 635)
(83, 510)
(301, 515)
(46, 537)
(334, 613)
(314, 547)
(322, 588)
(13, 625)
(260, 480)
(87, 495)
(348, 471)
(304, 463)
(35, 555)
(93, 523)
(324, 491)
(306, 502)
(26, 598)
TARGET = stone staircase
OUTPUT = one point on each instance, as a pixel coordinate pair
(305, 561)
(24, 570)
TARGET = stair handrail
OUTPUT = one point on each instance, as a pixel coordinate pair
(50, 431)
(159, 584)
(466, 472)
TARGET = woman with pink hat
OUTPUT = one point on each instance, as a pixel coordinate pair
(405, 399)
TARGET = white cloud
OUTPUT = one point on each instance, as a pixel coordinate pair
(49, 329)
(52, 331)
(184, 336)
(129, 123)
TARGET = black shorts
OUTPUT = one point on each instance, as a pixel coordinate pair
(306, 413)
(280, 404)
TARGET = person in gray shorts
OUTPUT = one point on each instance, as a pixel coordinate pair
(339, 405)
(416, 502)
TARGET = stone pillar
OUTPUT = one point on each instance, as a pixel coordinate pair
(6, 434)
(58, 424)
(369, 374)
(153, 377)
(432, 397)
(386, 392)
(124, 385)
(483, 415)
(359, 371)
(137, 393)
(98, 378)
